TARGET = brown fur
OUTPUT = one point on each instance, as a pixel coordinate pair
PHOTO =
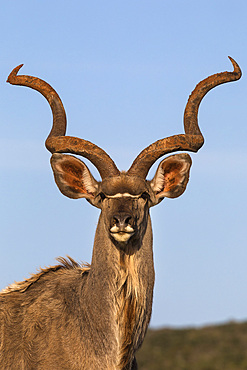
(130, 302)
(73, 316)
(79, 317)
(68, 263)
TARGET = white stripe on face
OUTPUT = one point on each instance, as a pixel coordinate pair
(122, 195)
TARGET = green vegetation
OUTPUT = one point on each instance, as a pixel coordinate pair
(222, 347)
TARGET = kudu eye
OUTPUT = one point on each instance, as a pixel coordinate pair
(102, 196)
(145, 195)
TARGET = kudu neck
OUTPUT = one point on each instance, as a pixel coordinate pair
(110, 254)
(124, 284)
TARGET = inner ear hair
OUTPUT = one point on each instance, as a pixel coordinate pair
(172, 176)
(73, 177)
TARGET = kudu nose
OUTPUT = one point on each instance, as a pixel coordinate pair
(122, 220)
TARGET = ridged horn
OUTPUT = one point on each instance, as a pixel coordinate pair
(57, 141)
(192, 140)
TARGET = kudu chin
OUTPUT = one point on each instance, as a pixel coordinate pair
(72, 316)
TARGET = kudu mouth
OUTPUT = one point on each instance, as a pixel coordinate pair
(122, 236)
(121, 228)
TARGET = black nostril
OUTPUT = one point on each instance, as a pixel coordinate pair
(122, 220)
(127, 220)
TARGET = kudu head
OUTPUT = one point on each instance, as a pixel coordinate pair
(123, 197)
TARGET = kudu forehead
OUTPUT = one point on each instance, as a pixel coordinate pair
(123, 185)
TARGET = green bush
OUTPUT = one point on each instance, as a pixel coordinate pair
(222, 347)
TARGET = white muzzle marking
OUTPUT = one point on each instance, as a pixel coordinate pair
(122, 236)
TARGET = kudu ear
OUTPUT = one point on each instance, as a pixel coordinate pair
(72, 177)
(172, 176)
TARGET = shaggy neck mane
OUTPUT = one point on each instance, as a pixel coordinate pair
(65, 264)
(130, 308)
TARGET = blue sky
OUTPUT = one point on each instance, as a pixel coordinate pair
(124, 70)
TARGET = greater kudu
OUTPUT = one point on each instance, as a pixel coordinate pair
(73, 316)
